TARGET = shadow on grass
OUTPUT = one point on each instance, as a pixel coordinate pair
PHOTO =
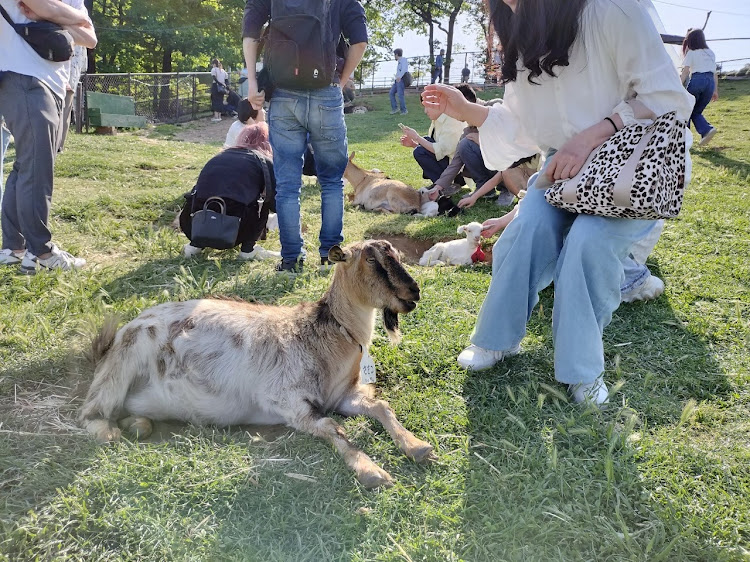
(551, 480)
(719, 159)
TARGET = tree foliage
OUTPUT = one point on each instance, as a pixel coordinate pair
(166, 35)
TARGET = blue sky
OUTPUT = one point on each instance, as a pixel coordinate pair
(730, 18)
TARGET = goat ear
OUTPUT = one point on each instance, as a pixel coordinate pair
(336, 254)
(461, 229)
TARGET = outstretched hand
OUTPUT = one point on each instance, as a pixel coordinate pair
(490, 227)
(440, 98)
(569, 160)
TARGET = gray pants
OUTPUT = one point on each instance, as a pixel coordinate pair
(33, 114)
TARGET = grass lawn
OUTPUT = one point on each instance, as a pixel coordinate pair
(663, 474)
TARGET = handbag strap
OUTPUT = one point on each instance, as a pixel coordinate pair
(266, 173)
(215, 199)
(7, 18)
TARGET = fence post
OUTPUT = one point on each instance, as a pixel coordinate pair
(130, 87)
(192, 103)
(177, 97)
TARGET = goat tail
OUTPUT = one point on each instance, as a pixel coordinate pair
(112, 379)
(103, 340)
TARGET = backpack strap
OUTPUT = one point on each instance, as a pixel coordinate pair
(266, 173)
(7, 18)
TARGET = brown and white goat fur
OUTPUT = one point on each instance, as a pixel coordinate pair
(224, 362)
(375, 191)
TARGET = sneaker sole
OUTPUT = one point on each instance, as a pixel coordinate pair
(510, 353)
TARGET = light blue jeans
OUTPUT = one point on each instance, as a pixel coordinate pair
(4, 142)
(397, 88)
(583, 255)
(292, 116)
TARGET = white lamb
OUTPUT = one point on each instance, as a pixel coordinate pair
(455, 252)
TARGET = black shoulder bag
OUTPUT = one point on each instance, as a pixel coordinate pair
(49, 40)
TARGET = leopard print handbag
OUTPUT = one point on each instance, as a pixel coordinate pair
(638, 173)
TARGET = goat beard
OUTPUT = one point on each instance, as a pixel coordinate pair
(390, 320)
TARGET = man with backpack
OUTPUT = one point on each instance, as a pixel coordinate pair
(306, 102)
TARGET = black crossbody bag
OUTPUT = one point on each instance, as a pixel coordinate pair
(49, 40)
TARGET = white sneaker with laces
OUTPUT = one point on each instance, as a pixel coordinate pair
(190, 251)
(594, 392)
(259, 253)
(650, 289)
(477, 358)
(58, 260)
(9, 257)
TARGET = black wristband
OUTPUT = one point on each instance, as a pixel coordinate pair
(613, 123)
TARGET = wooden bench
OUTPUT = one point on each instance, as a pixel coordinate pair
(110, 110)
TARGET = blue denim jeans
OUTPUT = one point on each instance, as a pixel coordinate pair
(292, 116)
(398, 87)
(432, 168)
(583, 255)
(701, 85)
(474, 167)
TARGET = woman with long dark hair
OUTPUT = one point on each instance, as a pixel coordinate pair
(699, 64)
(571, 69)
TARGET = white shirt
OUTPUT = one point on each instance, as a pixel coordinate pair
(700, 60)
(617, 54)
(447, 132)
(17, 56)
(234, 131)
(220, 74)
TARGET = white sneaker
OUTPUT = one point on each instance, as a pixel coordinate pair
(9, 257)
(190, 251)
(650, 289)
(58, 260)
(477, 358)
(259, 253)
(705, 139)
(594, 392)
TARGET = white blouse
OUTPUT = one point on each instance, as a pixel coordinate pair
(617, 55)
(700, 60)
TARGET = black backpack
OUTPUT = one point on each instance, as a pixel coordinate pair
(300, 51)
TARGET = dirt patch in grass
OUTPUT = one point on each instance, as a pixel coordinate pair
(205, 131)
(412, 249)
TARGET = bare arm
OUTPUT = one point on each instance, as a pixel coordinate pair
(250, 50)
(715, 96)
(684, 74)
(353, 57)
(488, 186)
(59, 13)
(83, 36)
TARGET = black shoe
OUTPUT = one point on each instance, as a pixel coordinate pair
(326, 266)
(292, 267)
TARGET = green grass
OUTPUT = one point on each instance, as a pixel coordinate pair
(521, 474)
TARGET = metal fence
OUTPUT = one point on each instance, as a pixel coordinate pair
(184, 96)
(161, 98)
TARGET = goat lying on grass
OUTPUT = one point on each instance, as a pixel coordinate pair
(225, 362)
(374, 191)
(456, 252)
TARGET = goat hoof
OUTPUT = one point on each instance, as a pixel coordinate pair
(109, 435)
(422, 453)
(375, 477)
(137, 426)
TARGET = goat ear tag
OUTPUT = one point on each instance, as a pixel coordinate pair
(366, 369)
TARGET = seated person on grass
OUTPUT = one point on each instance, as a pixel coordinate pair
(434, 151)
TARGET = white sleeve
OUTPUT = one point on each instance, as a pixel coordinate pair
(642, 62)
(501, 137)
(687, 62)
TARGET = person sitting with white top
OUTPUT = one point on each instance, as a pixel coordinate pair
(699, 64)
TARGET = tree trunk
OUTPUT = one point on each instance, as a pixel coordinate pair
(449, 42)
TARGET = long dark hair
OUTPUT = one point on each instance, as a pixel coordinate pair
(694, 41)
(541, 33)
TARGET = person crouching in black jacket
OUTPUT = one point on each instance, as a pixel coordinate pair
(236, 175)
